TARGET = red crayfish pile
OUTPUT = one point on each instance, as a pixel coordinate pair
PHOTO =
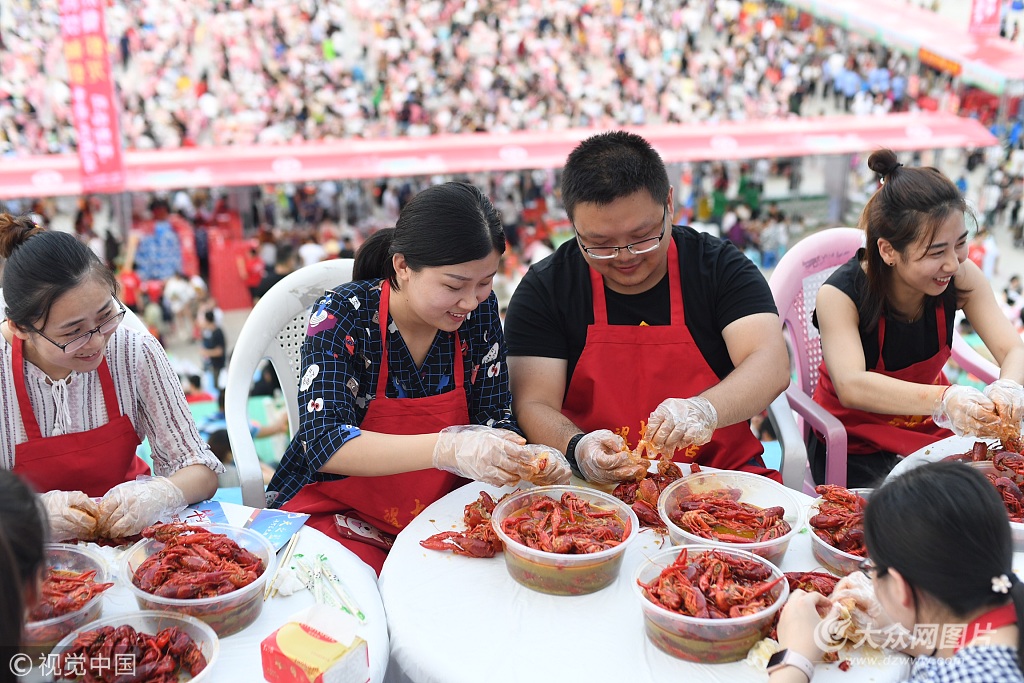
(1009, 473)
(568, 526)
(478, 540)
(720, 516)
(713, 585)
(195, 563)
(99, 656)
(65, 591)
(840, 519)
(643, 495)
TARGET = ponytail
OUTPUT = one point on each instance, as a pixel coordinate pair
(373, 260)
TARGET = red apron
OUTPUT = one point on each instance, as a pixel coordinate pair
(900, 434)
(665, 362)
(388, 502)
(93, 461)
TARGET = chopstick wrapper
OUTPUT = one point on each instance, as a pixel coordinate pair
(317, 645)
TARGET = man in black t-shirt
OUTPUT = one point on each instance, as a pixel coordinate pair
(213, 347)
(637, 324)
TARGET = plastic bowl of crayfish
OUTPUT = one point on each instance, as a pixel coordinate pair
(146, 644)
(228, 612)
(1010, 486)
(732, 510)
(82, 599)
(836, 522)
(591, 529)
(715, 624)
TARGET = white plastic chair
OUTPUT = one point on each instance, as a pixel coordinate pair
(274, 330)
(795, 284)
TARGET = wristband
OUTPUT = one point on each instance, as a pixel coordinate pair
(570, 455)
(784, 658)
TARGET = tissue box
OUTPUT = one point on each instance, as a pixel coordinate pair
(318, 645)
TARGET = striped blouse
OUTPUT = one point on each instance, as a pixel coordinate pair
(148, 392)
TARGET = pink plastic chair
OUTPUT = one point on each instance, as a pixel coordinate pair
(794, 284)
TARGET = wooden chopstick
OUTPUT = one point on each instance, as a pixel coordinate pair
(271, 591)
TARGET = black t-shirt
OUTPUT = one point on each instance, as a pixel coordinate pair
(269, 280)
(905, 343)
(213, 339)
(551, 308)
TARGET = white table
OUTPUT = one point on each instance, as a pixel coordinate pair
(457, 619)
(239, 658)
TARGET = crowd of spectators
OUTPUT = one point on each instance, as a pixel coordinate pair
(221, 72)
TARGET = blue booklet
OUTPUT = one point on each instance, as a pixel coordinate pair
(276, 525)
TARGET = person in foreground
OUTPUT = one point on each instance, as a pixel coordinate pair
(403, 385)
(941, 558)
(640, 325)
(80, 391)
(886, 321)
(22, 535)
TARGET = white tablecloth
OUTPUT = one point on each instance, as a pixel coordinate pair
(239, 658)
(457, 619)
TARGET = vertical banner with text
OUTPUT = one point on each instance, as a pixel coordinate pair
(93, 103)
(984, 18)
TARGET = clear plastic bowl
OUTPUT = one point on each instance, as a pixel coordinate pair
(226, 614)
(76, 558)
(152, 623)
(557, 573)
(1016, 528)
(831, 558)
(696, 639)
(755, 489)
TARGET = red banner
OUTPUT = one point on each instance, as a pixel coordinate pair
(93, 104)
(984, 17)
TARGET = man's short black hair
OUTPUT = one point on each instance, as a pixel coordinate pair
(608, 166)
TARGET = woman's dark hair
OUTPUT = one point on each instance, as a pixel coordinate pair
(441, 226)
(910, 204)
(41, 266)
(23, 532)
(609, 166)
(943, 526)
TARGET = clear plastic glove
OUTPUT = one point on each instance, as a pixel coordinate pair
(965, 410)
(800, 621)
(681, 422)
(1008, 398)
(603, 458)
(130, 507)
(493, 456)
(544, 465)
(72, 514)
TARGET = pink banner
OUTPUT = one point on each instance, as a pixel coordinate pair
(93, 104)
(984, 18)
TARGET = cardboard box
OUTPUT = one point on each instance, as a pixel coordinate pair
(318, 645)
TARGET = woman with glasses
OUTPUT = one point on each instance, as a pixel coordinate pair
(641, 324)
(941, 566)
(886, 320)
(80, 391)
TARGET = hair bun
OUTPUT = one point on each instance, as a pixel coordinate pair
(14, 230)
(883, 162)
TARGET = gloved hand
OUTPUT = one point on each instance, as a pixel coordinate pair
(130, 507)
(603, 458)
(493, 456)
(680, 422)
(72, 514)
(965, 410)
(1008, 398)
(556, 467)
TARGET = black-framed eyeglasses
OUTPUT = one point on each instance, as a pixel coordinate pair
(871, 570)
(643, 246)
(105, 327)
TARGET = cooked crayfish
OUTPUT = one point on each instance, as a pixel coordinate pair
(713, 585)
(720, 516)
(570, 525)
(195, 563)
(812, 582)
(840, 519)
(643, 495)
(155, 659)
(64, 592)
(478, 540)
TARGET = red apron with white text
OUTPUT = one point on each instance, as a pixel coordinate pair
(626, 371)
(900, 434)
(388, 502)
(93, 461)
